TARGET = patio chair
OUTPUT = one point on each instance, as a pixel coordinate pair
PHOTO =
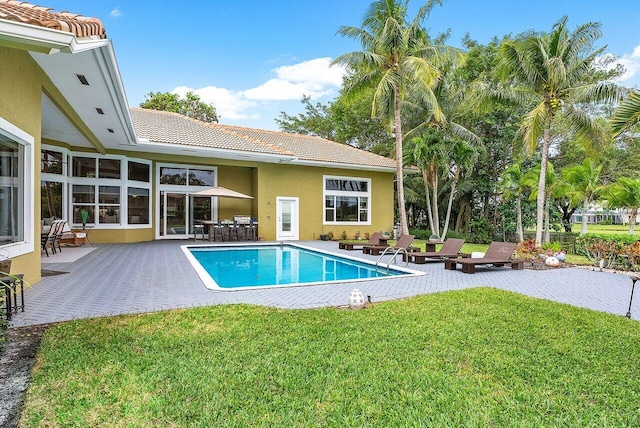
(450, 249)
(402, 242)
(59, 233)
(373, 240)
(48, 238)
(498, 254)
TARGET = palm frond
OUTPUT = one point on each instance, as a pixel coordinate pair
(532, 127)
(627, 114)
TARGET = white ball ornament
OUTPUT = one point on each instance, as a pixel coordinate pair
(356, 300)
(552, 262)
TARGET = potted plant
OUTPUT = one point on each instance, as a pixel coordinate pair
(84, 216)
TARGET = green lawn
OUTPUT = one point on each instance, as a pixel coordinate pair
(614, 229)
(479, 357)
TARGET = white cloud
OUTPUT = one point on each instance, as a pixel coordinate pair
(115, 13)
(228, 104)
(631, 63)
(315, 78)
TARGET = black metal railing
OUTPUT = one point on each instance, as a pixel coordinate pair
(13, 286)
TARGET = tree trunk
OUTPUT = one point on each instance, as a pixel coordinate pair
(519, 230)
(632, 220)
(547, 236)
(583, 224)
(445, 228)
(540, 200)
(425, 178)
(402, 210)
(434, 204)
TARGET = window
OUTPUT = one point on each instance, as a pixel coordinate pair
(83, 197)
(173, 175)
(139, 171)
(138, 205)
(51, 162)
(101, 191)
(346, 200)
(109, 168)
(16, 190)
(51, 199)
(11, 195)
(199, 177)
(109, 204)
(84, 167)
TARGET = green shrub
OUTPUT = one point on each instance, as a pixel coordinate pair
(617, 251)
(554, 247)
(481, 231)
(423, 234)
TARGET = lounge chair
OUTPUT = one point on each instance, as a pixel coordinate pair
(450, 249)
(71, 237)
(402, 242)
(373, 240)
(498, 254)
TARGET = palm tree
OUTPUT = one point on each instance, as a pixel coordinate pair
(625, 193)
(627, 114)
(585, 186)
(440, 157)
(430, 154)
(555, 73)
(513, 186)
(394, 53)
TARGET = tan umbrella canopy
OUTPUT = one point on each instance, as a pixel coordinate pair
(222, 192)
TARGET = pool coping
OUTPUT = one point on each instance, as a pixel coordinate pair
(211, 284)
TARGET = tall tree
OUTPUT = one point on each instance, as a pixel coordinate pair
(625, 193)
(585, 185)
(190, 106)
(558, 72)
(394, 52)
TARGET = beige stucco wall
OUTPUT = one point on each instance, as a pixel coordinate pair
(20, 104)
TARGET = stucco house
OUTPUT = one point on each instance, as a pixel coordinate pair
(70, 144)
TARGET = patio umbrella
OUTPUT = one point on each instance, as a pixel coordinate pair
(222, 192)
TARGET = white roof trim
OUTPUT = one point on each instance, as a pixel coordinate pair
(45, 39)
(145, 145)
(106, 59)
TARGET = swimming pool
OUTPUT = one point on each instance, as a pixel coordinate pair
(257, 266)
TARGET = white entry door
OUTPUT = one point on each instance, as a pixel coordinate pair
(286, 219)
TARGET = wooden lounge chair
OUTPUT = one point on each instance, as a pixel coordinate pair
(402, 242)
(450, 249)
(373, 240)
(498, 254)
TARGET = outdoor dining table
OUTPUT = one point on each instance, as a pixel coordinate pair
(231, 231)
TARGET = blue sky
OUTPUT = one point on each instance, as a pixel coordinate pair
(253, 59)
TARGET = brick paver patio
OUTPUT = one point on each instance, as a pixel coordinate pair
(154, 276)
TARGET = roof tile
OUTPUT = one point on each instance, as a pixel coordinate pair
(173, 128)
(27, 13)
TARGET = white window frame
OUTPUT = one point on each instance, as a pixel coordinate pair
(180, 188)
(366, 194)
(58, 178)
(123, 183)
(27, 245)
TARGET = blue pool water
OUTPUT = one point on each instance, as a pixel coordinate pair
(277, 265)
